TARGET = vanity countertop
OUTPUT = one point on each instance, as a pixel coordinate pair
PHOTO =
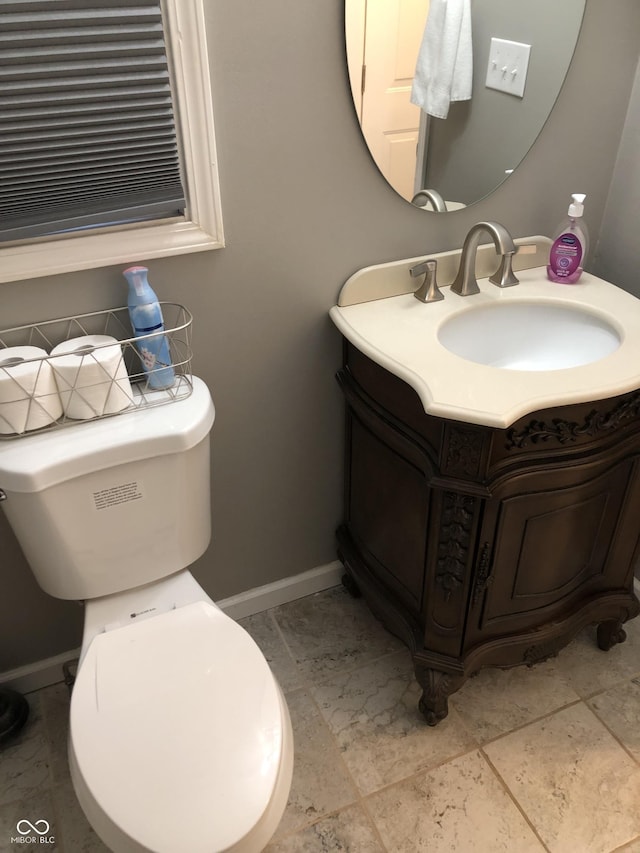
(400, 333)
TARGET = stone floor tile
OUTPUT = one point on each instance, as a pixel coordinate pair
(373, 714)
(459, 806)
(320, 782)
(573, 780)
(262, 627)
(497, 701)
(349, 830)
(634, 847)
(619, 710)
(589, 670)
(332, 632)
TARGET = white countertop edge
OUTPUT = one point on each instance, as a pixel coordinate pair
(511, 394)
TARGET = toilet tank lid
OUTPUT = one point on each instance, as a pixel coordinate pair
(34, 463)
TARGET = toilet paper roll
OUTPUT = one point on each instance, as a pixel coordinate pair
(28, 392)
(91, 376)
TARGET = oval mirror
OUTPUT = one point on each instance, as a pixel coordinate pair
(516, 55)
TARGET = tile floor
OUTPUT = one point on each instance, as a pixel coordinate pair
(528, 760)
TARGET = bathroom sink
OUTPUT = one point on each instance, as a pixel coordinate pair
(531, 336)
(495, 356)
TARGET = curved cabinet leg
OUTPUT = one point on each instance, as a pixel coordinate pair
(610, 634)
(436, 688)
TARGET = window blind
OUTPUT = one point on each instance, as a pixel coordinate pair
(87, 132)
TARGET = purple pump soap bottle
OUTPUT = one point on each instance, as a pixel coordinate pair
(570, 246)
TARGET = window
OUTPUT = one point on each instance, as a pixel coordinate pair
(175, 203)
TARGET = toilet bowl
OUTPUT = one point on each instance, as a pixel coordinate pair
(180, 738)
(179, 735)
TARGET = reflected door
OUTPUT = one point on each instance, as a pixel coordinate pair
(392, 36)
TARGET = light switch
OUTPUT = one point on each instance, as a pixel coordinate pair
(508, 63)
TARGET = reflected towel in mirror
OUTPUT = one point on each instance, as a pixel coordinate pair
(444, 70)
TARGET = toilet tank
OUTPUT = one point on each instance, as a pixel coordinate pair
(112, 504)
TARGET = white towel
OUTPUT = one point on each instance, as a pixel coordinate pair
(444, 70)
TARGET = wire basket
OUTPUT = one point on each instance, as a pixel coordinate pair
(90, 378)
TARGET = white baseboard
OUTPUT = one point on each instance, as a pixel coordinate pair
(282, 591)
(42, 673)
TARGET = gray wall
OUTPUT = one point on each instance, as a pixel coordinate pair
(304, 207)
(617, 252)
(469, 151)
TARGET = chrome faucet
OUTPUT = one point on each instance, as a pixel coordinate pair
(433, 196)
(465, 282)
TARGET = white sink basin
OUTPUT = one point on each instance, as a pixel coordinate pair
(528, 336)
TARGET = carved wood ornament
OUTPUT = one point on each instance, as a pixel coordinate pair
(483, 573)
(565, 431)
(464, 452)
(453, 545)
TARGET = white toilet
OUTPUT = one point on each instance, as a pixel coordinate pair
(180, 738)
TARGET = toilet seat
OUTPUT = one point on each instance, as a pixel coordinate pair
(179, 736)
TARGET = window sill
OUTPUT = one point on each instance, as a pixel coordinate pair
(89, 251)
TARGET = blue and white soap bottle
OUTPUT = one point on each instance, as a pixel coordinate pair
(146, 318)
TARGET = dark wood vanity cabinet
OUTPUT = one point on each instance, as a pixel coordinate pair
(481, 546)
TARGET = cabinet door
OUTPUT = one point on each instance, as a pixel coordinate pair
(561, 536)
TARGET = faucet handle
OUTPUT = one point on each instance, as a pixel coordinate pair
(428, 290)
(504, 275)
